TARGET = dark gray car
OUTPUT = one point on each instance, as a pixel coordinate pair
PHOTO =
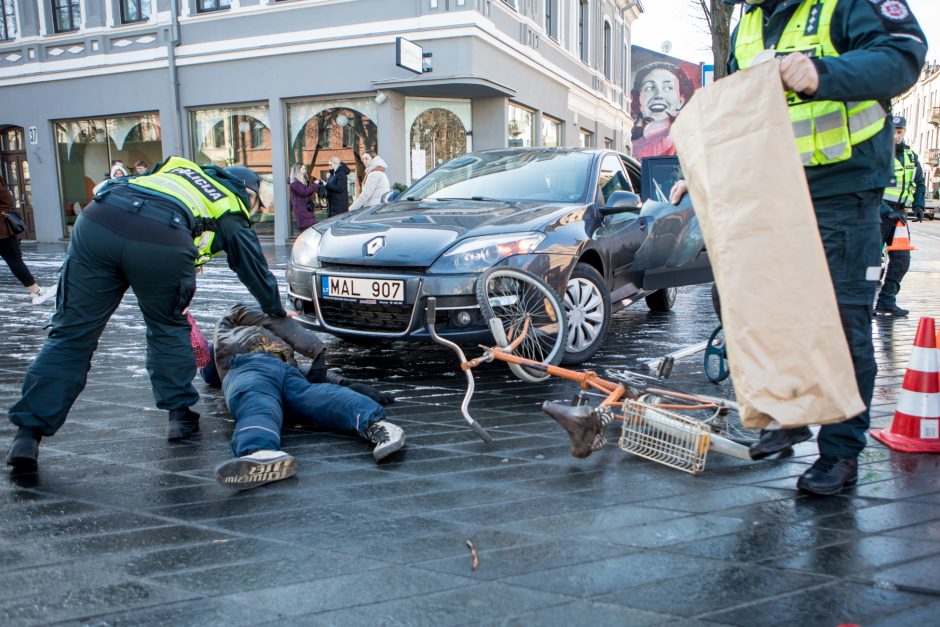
(569, 216)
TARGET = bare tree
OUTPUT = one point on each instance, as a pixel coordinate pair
(718, 19)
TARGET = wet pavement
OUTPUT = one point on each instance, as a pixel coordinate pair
(121, 527)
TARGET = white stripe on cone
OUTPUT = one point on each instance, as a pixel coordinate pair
(919, 404)
(923, 360)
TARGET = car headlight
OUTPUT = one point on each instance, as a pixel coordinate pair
(479, 253)
(306, 247)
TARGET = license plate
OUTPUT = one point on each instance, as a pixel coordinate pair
(363, 289)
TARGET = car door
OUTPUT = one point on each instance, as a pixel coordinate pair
(619, 234)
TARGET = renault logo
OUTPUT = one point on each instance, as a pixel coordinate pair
(374, 245)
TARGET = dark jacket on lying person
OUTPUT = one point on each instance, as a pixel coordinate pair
(246, 329)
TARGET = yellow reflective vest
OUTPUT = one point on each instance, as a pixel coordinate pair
(825, 130)
(205, 198)
(903, 191)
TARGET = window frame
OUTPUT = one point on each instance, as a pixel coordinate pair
(122, 4)
(583, 32)
(5, 18)
(560, 136)
(608, 51)
(75, 25)
(200, 8)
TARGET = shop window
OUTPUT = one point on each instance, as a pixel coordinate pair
(135, 11)
(551, 132)
(7, 19)
(66, 15)
(207, 6)
(437, 136)
(319, 130)
(85, 149)
(521, 129)
(238, 136)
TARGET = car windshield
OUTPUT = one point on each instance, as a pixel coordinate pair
(513, 176)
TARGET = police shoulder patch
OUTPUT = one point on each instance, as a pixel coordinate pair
(893, 11)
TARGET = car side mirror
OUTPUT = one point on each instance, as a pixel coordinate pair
(621, 202)
(390, 196)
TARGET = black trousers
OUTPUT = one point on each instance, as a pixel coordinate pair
(851, 232)
(99, 268)
(10, 251)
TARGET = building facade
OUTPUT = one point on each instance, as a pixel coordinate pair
(920, 105)
(269, 83)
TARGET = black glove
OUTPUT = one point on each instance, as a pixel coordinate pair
(382, 398)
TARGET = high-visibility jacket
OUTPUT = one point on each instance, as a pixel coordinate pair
(903, 191)
(205, 198)
(825, 130)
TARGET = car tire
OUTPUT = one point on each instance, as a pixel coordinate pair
(662, 300)
(587, 308)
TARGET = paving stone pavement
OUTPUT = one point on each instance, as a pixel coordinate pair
(121, 527)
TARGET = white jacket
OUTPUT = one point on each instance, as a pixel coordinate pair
(376, 184)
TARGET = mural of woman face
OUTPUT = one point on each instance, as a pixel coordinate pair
(660, 96)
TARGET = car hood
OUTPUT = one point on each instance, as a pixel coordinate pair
(417, 233)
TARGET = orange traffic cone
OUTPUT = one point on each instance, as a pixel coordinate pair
(902, 238)
(916, 426)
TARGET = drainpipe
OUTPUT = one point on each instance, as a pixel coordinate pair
(171, 45)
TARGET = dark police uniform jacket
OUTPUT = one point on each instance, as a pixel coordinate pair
(882, 50)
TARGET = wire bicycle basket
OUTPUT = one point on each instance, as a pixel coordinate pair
(664, 436)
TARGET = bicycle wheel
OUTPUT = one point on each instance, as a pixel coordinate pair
(512, 300)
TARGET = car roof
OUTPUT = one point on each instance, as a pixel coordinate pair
(566, 150)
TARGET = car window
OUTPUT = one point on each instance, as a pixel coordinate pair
(663, 176)
(531, 175)
(612, 178)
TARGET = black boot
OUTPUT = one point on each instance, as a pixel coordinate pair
(24, 452)
(891, 310)
(771, 442)
(829, 475)
(183, 423)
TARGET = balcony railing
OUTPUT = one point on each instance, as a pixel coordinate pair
(933, 156)
(935, 116)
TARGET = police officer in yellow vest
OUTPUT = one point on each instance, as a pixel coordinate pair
(148, 233)
(841, 63)
(908, 190)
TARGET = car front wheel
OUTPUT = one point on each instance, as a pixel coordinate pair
(587, 308)
(662, 300)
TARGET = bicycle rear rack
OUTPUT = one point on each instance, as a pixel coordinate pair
(471, 386)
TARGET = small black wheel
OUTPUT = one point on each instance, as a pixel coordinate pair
(662, 300)
(587, 310)
(512, 300)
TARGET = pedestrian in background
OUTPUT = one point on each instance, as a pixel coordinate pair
(301, 197)
(842, 61)
(375, 185)
(337, 191)
(909, 190)
(118, 171)
(148, 233)
(10, 249)
(141, 167)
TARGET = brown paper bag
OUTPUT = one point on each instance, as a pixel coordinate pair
(789, 359)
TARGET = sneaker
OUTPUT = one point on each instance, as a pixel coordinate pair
(258, 468)
(44, 294)
(387, 438)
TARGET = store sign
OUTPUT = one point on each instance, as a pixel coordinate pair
(33, 134)
(409, 55)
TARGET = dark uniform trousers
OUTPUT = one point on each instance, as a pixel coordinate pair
(98, 269)
(850, 228)
(899, 261)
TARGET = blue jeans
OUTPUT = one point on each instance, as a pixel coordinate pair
(261, 390)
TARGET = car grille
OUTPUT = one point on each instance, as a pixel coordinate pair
(365, 317)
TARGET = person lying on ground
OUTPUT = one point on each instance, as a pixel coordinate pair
(252, 358)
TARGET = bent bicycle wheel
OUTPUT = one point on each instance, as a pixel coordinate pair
(513, 301)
